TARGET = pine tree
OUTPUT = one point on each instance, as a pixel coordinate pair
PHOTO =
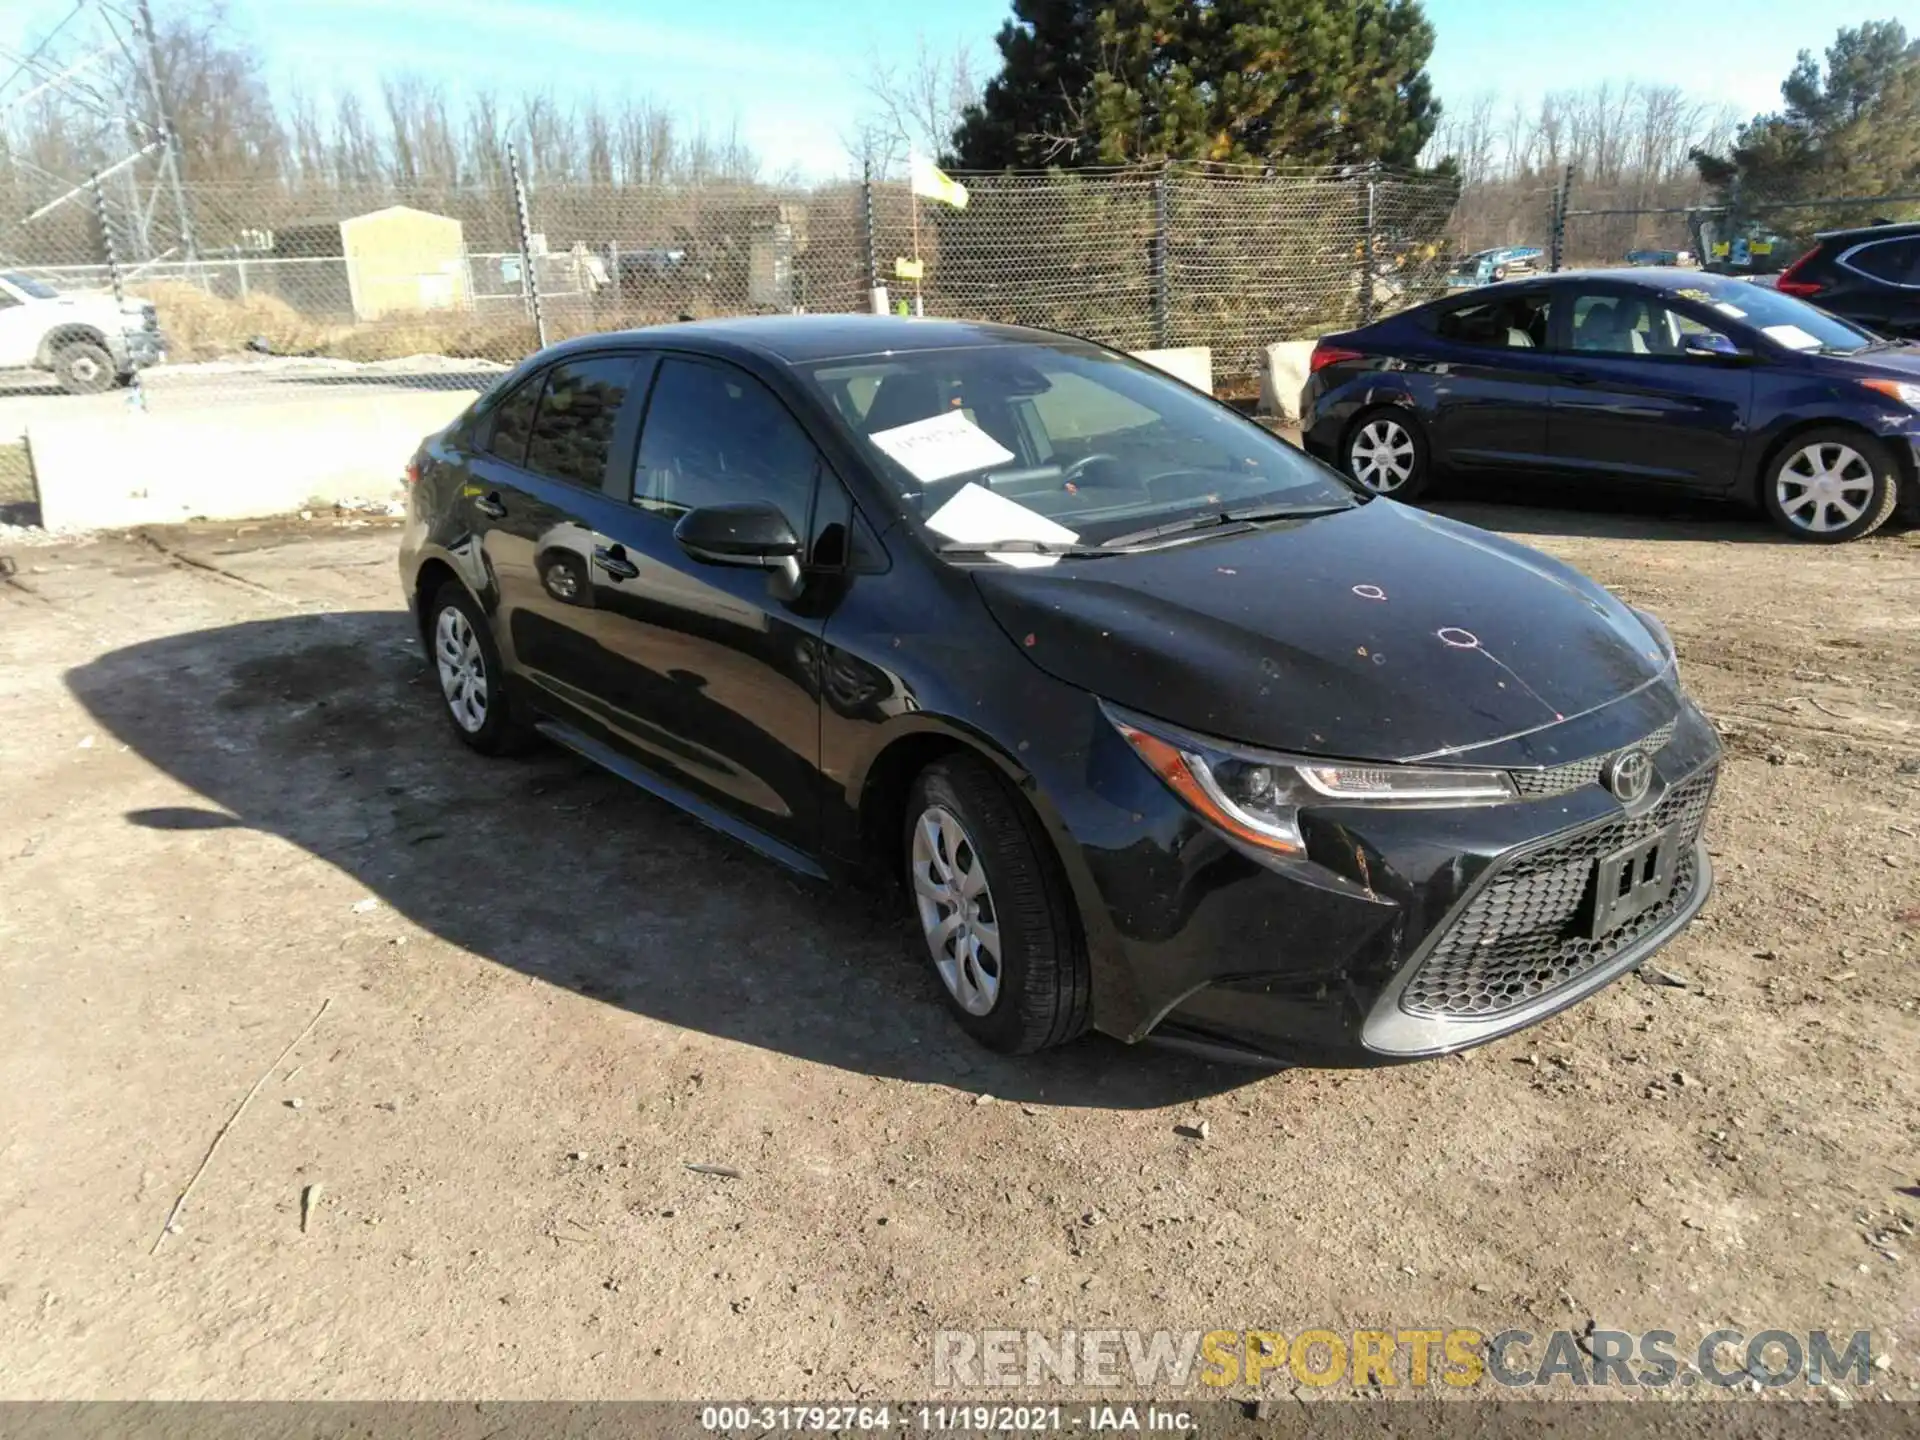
(1848, 128)
(1087, 82)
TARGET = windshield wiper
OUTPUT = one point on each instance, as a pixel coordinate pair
(1022, 547)
(1218, 519)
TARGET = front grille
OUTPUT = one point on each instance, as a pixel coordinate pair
(1522, 934)
(1533, 784)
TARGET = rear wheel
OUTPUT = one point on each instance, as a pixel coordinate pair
(472, 679)
(83, 368)
(1387, 454)
(994, 911)
(1830, 486)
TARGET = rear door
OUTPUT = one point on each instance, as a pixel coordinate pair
(534, 493)
(709, 679)
(1877, 285)
(1493, 383)
(1633, 402)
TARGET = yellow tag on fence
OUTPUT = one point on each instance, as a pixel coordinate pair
(905, 269)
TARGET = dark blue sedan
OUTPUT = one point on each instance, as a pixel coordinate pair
(1679, 380)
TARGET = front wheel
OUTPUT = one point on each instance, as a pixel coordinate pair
(1387, 454)
(83, 368)
(1830, 486)
(994, 910)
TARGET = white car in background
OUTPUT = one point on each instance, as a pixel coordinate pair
(87, 342)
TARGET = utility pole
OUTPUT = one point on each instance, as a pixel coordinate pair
(169, 140)
(100, 69)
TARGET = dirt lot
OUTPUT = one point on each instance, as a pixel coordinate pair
(228, 801)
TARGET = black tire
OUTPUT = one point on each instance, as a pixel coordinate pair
(83, 368)
(1378, 435)
(501, 730)
(1044, 988)
(1859, 461)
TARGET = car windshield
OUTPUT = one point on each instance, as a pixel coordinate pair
(38, 289)
(1060, 445)
(1781, 318)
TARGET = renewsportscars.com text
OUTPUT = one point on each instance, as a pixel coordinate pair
(1414, 1357)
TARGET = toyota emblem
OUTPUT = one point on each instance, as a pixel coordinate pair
(1628, 775)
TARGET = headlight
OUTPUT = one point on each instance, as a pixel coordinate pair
(1907, 395)
(1255, 796)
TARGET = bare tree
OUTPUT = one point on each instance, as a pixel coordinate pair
(913, 104)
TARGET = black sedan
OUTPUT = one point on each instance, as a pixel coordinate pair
(1668, 378)
(1163, 727)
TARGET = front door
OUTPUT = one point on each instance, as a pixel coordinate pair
(21, 326)
(533, 493)
(710, 679)
(1634, 403)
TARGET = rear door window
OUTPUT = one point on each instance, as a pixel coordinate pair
(1894, 262)
(1515, 322)
(572, 430)
(512, 421)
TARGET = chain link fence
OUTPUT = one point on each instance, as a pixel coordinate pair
(442, 286)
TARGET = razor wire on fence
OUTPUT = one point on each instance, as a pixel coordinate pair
(441, 286)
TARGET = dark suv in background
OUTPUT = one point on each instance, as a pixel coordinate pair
(1869, 275)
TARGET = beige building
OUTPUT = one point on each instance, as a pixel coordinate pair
(401, 261)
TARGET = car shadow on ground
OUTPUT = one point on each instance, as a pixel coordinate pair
(1544, 507)
(328, 731)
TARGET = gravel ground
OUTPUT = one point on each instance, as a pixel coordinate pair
(230, 808)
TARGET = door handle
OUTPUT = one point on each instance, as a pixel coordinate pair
(1576, 377)
(613, 560)
(491, 504)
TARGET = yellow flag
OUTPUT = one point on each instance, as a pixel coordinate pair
(905, 269)
(934, 183)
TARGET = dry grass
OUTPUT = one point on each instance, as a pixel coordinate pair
(460, 336)
(200, 326)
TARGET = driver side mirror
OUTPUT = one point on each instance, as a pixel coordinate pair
(1713, 344)
(752, 536)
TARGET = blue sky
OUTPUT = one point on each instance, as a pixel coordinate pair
(788, 71)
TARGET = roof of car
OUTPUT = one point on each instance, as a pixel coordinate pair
(1653, 277)
(803, 339)
(1877, 232)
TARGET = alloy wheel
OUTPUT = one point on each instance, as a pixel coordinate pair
(463, 669)
(1825, 487)
(85, 369)
(1381, 456)
(956, 908)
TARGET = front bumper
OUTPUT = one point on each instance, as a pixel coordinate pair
(1406, 933)
(137, 349)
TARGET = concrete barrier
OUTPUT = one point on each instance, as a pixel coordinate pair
(1191, 363)
(1283, 375)
(231, 462)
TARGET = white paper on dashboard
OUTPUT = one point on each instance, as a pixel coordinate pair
(1791, 336)
(1729, 309)
(941, 446)
(977, 516)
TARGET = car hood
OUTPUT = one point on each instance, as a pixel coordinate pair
(1900, 362)
(1378, 633)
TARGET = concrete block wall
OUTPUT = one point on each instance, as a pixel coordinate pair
(231, 461)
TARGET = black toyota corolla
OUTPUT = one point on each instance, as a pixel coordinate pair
(1164, 727)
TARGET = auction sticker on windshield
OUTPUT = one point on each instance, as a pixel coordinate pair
(1791, 336)
(977, 516)
(941, 446)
